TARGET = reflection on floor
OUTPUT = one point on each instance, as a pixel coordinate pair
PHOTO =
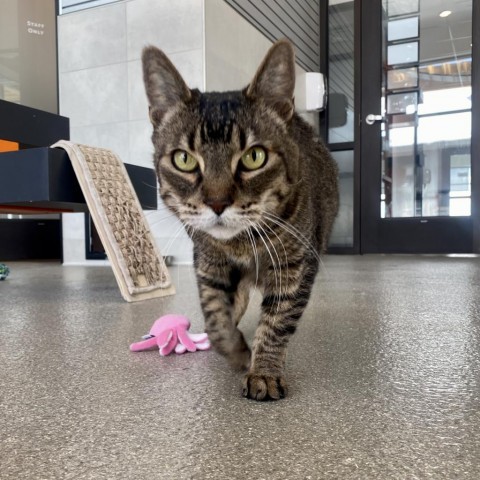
(384, 377)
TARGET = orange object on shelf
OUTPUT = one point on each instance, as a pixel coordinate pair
(7, 146)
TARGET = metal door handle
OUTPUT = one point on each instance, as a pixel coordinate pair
(370, 119)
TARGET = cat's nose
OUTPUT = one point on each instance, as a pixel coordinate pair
(218, 205)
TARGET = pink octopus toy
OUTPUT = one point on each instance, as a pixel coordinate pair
(169, 333)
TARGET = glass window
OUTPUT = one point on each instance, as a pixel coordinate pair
(342, 233)
(340, 72)
(403, 28)
(402, 103)
(402, 78)
(426, 168)
(402, 7)
(402, 53)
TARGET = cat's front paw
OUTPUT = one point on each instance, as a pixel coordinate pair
(264, 387)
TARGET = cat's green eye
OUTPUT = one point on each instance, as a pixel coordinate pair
(254, 158)
(184, 161)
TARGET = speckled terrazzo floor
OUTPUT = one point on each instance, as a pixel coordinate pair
(384, 377)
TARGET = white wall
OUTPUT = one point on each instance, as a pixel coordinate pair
(233, 47)
(101, 89)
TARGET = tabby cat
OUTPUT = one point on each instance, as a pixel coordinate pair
(256, 192)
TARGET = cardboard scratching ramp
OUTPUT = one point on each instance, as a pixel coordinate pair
(139, 268)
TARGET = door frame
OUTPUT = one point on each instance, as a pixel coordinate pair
(461, 234)
(323, 120)
(475, 145)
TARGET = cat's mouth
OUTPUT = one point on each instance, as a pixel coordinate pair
(221, 228)
(221, 231)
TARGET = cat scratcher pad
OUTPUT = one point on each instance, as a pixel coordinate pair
(139, 268)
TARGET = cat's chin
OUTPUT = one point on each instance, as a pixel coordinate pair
(221, 232)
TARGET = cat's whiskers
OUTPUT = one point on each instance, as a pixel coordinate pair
(255, 252)
(279, 269)
(158, 221)
(155, 187)
(284, 252)
(175, 235)
(191, 231)
(289, 228)
(259, 230)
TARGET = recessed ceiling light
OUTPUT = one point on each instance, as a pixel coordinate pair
(445, 13)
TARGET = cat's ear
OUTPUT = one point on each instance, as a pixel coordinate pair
(274, 80)
(165, 87)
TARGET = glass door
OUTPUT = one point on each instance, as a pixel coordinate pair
(416, 123)
(338, 56)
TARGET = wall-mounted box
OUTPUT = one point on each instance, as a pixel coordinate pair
(310, 92)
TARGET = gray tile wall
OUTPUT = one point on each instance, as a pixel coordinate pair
(101, 88)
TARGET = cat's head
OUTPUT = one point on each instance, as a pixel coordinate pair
(224, 159)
